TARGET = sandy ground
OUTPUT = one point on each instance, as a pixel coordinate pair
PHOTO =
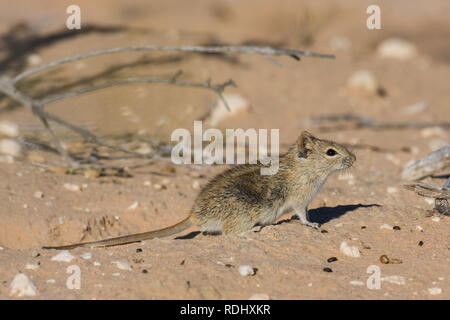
(289, 258)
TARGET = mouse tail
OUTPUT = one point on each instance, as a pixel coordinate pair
(165, 232)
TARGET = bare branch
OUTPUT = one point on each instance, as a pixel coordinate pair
(428, 190)
(356, 121)
(218, 88)
(265, 51)
(426, 166)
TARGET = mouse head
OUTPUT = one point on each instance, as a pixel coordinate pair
(328, 155)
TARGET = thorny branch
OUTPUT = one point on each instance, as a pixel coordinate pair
(36, 106)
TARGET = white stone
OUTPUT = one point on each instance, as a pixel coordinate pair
(10, 147)
(350, 251)
(400, 280)
(396, 49)
(31, 266)
(356, 283)
(96, 263)
(21, 286)
(63, 256)
(86, 255)
(428, 200)
(392, 190)
(434, 291)
(71, 186)
(195, 185)
(246, 270)
(38, 194)
(9, 129)
(122, 265)
(362, 81)
(386, 226)
(436, 219)
(236, 104)
(51, 281)
(259, 296)
(133, 206)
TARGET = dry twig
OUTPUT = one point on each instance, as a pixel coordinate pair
(36, 106)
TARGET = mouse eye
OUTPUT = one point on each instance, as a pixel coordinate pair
(331, 152)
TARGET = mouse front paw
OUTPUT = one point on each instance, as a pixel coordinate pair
(314, 225)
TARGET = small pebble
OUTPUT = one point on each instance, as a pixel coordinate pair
(324, 231)
(351, 251)
(10, 147)
(434, 291)
(21, 286)
(246, 270)
(420, 243)
(96, 263)
(436, 219)
(157, 186)
(195, 185)
(51, 281)
(122, 265)
(396, 228)
(38, 194)
(133, 206)
(72, 187)
(332, 259)
(356, 283)
(63, 256)
(86, 255)
(396, 48)
(259, 296)
(399, 280)
(386, 226)
(392, 190)
(31, 266)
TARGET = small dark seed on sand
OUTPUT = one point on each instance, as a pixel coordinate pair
(396, 228)
(182, 263)
(324, 231)
(138, 250)
(327, 269)
(144, 271)
(363, 227)
(420, 243)
(332, 259)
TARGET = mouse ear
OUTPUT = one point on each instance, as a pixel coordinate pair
(304, 143)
